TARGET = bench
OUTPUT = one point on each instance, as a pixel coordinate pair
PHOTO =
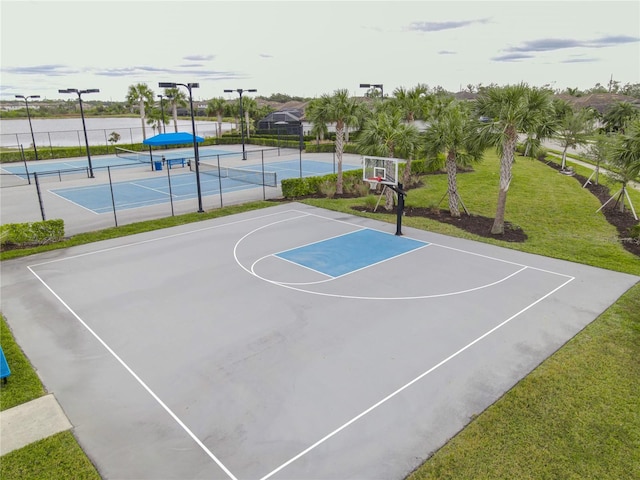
(173, 161)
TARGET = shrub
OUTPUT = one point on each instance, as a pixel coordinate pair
(328, 188)
(34, 233)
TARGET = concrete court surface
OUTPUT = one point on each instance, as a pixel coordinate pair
(204, 351)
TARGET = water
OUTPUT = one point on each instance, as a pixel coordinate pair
(68, 132)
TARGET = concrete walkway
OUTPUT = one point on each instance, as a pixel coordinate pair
(30, 422)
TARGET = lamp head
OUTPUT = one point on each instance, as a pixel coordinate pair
(167, 85)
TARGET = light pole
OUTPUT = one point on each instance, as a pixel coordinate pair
(84, 127)
(26, 102)
(240, 92)
(374, 85)
(164, 129)
(189, 86)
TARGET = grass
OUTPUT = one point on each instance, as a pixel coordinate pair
(58, 456)
(558, 215)
(576, 416)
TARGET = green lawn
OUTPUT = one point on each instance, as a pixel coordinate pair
(576, 416)
(56, 457)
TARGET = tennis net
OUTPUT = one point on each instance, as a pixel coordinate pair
(256, 177)
(132, 155)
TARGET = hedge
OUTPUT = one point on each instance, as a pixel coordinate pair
(32, 233)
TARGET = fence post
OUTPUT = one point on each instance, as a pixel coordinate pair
(35, 178)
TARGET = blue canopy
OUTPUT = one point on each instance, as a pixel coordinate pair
(177, 138)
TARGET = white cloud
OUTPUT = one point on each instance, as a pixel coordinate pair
(308, 48)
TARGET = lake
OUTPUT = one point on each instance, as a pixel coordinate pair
(58, 132)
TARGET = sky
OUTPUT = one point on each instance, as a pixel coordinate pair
(310, 48)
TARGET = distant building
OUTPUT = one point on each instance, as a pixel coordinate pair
(286, 122)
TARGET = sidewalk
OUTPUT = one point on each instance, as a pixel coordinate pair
(30, 422)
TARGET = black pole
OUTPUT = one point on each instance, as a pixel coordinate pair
(86, 139)
(113, 199)
(37, 182)
(301, 146)
(400, 210)
(33, 138)
(195, 151)
(170, 193)
(244, 155)
(219, 180)
(24, 160)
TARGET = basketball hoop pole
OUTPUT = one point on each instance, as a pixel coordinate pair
(401, 194)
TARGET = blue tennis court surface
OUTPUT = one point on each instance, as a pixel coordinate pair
(156, 190)
(350, 252)
(104, 161)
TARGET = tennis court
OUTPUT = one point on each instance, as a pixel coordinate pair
(288, 343)
(143, 192)
(123, 158)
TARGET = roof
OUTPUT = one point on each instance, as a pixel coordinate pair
(177, 138)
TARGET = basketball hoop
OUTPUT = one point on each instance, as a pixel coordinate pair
(373, 182)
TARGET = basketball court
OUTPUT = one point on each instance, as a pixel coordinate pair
(288, 343)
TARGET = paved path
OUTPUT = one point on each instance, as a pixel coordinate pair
(30, 422)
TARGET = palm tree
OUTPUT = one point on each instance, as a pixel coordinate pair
(574, 129)
(512, 109)
(410, 102)
(314, 113)
(154, 118)
(625, 162)
(248, 105)
(599, 151)
(618, 115)
(216, 106)
(387, 135)
(342, 110)
(177, 98)
(142, 96)
(454, 132)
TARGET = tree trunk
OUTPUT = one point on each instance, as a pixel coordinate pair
(389, 199)
(505, 179)
(219, 124)
(246, 122)
(406, 176)
(452, 184)
(144, 129)
(339, 150)
(174, 112)
(564, 157)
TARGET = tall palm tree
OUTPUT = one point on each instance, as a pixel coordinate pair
(574, 129)
(618, 115)
(314, 113)
(625, 161)
(454, 132)
(512, 109)
(410, 102)
(177, 98)
(142, 96)
(387, 135)
(216, 106)
(248, 105)
(343, 110)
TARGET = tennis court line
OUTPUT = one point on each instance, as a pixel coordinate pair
(137, 378)
(408, 384)
(74, 203)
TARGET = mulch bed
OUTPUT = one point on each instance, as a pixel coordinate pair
(481, 226)
(475, 224)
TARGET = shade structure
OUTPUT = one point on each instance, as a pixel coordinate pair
(177, 138)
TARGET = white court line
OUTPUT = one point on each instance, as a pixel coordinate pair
(458, 249)
(407, 385)
(164, 237)
(149, 188)
(137, 378)
(52, 192)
